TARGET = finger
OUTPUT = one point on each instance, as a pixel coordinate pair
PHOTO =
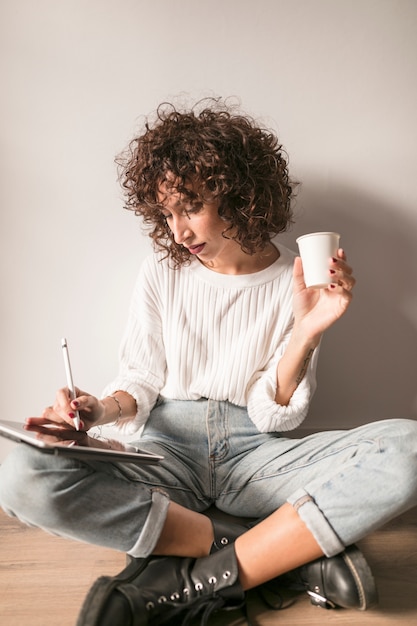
(342, 298)
(85, 403)
(340, 264)
(55, 434)
(53, 439)
(50, 416)
(298, 274)
(63, 406)
(32, 423)
(83, 406)
(341, 254)
(341, 272)
(52, 433)
(348, 282)
(345, 280)
(82, 402)
(41, 423)
(62, 403)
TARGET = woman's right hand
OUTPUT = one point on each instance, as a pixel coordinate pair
(62, 413)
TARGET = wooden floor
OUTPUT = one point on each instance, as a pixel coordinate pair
(43, 580)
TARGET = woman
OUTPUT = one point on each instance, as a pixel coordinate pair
(218, 361)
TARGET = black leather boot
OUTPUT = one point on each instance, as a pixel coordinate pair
(226, 532)
(166, 590)
(344, 580)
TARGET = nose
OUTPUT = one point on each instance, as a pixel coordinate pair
(180, 228)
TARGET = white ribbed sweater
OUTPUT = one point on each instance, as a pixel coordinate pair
(193, 333)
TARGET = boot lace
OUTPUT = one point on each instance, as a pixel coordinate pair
(185, 612)
(182, 613)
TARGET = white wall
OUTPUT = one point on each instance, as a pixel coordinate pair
(335, 78)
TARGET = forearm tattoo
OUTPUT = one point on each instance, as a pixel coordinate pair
(304, 367)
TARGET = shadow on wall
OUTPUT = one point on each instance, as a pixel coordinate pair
(367, 367)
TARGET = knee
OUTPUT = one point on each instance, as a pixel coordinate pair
(401, 437)
(400, 442)
(18, 477)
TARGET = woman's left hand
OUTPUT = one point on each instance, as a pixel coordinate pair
(315, 310)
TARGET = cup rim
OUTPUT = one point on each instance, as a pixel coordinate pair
(318, 233)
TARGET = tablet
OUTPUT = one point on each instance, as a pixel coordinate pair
(86, 449)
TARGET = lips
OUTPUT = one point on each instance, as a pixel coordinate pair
(196, 249)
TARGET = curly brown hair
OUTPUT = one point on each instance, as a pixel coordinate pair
(233, 160)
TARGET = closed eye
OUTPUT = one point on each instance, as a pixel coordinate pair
(191, 210)
(194, 208)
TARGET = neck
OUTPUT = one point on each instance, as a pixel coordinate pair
(243, 263)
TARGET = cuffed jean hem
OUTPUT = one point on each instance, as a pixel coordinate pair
(152, 528)
(316, 522)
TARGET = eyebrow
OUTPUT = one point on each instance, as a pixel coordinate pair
(179, 203)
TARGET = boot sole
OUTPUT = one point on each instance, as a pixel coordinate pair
(362, 575)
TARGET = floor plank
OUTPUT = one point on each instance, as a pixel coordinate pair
(44, 579)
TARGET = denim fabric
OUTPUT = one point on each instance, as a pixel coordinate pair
(343, 484)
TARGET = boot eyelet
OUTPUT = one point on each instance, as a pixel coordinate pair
(212, 580)
(198, 587)
(226, 574)
(162, 599)
(150, 606)
(186, 591)
(224, 541)
(175, 596)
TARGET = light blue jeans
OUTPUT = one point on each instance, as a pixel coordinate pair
(343, 484)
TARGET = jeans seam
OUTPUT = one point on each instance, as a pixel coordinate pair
(297, 467)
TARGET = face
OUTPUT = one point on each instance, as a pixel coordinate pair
(196, 225)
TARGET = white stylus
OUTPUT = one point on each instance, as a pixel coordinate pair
(70, 383)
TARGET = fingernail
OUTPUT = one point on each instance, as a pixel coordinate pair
(332, 286)
(332, 271)
(71, 415)
(334, 260)
(75, 403)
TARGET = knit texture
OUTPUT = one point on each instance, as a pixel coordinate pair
(195, 333)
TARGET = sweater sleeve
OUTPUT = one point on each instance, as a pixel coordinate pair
(142, 359)
(266, 414)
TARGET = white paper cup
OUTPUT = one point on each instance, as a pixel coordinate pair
(315, 250)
